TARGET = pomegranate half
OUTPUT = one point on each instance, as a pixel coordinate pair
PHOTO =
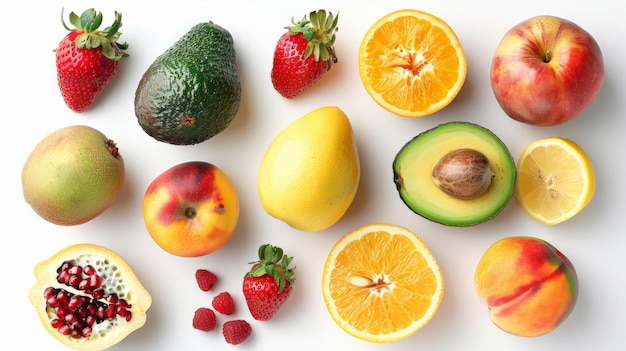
(88, 298)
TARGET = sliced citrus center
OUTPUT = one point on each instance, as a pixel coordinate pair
(555, 180)
(381, 283)
(412, 63)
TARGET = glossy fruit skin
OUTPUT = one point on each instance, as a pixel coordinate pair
(135, 295)
(296, 64)
(310, 172)
(529, 286)
(191, 92)
(292, 71)
(73, 175)
(268, 284)
(262, 297)
(546, 70)
(83, 70)
(191, 209)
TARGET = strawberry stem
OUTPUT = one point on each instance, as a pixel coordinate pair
(90, 37)
(319, 30)
(274, 263)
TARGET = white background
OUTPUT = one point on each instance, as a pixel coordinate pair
(32, 107)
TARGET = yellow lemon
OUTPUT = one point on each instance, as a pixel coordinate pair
(555, 180)
(381, 283)
(310, 172)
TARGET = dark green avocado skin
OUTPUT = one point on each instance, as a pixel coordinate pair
(192, 91)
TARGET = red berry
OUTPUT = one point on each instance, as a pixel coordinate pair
(223, 303)
(204, 319)
(205, 279)
(236, 331)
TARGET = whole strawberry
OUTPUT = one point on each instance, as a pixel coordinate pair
(304, 53)
(87, 58)
(268, 284)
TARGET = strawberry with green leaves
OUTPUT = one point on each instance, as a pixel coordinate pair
(304, 53)
(87, 58)
(268, 284)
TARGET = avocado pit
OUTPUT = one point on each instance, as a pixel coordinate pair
(463, 173)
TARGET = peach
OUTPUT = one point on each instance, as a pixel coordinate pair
(529, 286)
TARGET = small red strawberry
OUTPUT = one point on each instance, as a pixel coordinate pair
(268, 284)
(205, 279)
(223, 303)
(204, 319)
(236, 331)
(87, 58)
(304, 53)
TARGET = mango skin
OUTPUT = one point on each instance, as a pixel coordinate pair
(529, 286)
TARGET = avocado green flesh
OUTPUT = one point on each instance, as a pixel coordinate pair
(192, 91)
(416, 160)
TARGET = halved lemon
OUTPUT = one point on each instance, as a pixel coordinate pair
(555, 180)
(412, 63)
(381, 283)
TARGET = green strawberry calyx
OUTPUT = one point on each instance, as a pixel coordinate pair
(274, 263)
(90, 37)
(319, 30)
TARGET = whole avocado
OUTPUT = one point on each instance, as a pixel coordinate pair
(192, 91)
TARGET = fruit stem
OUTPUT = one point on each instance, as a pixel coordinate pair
(548, 56)
(273, 262)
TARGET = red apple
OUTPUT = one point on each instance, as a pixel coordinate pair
(546, 70)
(191, 209)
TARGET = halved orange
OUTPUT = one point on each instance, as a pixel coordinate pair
(412, 63)
(381, 283)
(555, 180)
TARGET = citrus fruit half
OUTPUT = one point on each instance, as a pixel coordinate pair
(412, 63)
(381, 283)
(555, 180)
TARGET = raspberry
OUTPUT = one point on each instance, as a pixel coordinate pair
(205, 279)
(204, 319)
(236, 331)
(223, 303)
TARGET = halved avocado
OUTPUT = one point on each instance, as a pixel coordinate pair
(413, 167)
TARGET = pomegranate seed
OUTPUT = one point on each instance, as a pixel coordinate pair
(111, 311)
(75, 270)
(101, 314)
(86, 332)
(52, 301)
(61, 312)
(64, 277)
(125, 304)
(95, 281)
(56, 323)
(112, 299)
(90, 320)
(74, 281)
(49, 291)
(76, 334)
(70, 318)
(64, 266)
(129, 315)
(75, 302)
(121, 311)
(83, 285)
(63, 297)
(98, 294)
(89, 270)
(64, 329)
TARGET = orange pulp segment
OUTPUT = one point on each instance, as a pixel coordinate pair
(412, 63)
(381, 283)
